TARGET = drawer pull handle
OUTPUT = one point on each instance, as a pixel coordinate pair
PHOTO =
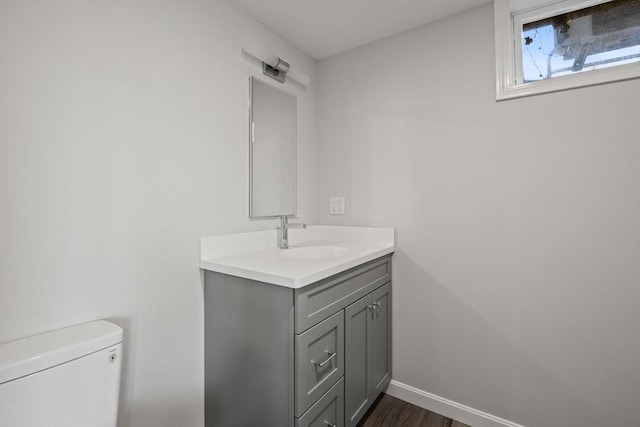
(329, 424)
(327, 360)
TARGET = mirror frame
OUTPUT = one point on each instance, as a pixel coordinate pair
(252, 215)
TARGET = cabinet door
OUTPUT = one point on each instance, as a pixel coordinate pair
(358, 318)
(380, 340)
(367, 352)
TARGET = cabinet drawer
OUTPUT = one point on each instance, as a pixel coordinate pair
(326, 412)
(318, 301)
(319, 360)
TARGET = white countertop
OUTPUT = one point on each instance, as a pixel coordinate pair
(255, 255)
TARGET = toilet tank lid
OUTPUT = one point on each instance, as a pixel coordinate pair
(39, 352)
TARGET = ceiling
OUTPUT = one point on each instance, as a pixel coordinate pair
(324, 28)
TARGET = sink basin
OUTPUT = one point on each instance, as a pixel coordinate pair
(314, 252)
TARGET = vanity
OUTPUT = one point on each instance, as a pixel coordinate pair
(297, 321)
(300, 336)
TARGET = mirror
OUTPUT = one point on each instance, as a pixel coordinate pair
(272, 151)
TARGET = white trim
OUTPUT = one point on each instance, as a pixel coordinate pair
(446, 407)
(507, 86)
(505, 57)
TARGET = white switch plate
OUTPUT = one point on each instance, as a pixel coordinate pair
(336, 205)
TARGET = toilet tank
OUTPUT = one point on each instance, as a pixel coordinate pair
(65, 378)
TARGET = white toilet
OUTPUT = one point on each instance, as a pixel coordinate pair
(64, 378)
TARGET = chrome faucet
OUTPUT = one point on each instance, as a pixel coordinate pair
(284, 231)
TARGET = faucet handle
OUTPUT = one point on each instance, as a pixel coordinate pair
(296, 225)
(284, 223)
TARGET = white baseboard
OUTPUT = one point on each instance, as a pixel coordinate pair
(446, 407)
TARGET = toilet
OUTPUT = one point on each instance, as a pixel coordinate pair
(65, 378)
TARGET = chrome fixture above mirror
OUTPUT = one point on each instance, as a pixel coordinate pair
(274, 66)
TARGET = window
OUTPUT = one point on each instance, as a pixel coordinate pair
(564, 44)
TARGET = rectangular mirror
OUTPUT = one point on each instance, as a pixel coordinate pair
(272, 151)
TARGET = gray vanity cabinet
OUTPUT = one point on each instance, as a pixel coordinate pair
(367, 352)
(278, 357)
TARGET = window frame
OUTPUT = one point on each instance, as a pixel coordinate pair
(509, 16)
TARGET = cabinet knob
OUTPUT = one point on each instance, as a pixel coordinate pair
(330, 424)
(374, 307)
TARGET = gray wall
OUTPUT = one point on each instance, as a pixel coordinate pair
(516, 276)
(123, 140)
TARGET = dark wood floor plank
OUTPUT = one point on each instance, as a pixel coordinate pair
(407, 415)
(388, 411)
(435, 420)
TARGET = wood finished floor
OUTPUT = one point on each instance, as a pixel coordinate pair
(388, 411)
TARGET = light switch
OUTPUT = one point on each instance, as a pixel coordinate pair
(336, 205)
